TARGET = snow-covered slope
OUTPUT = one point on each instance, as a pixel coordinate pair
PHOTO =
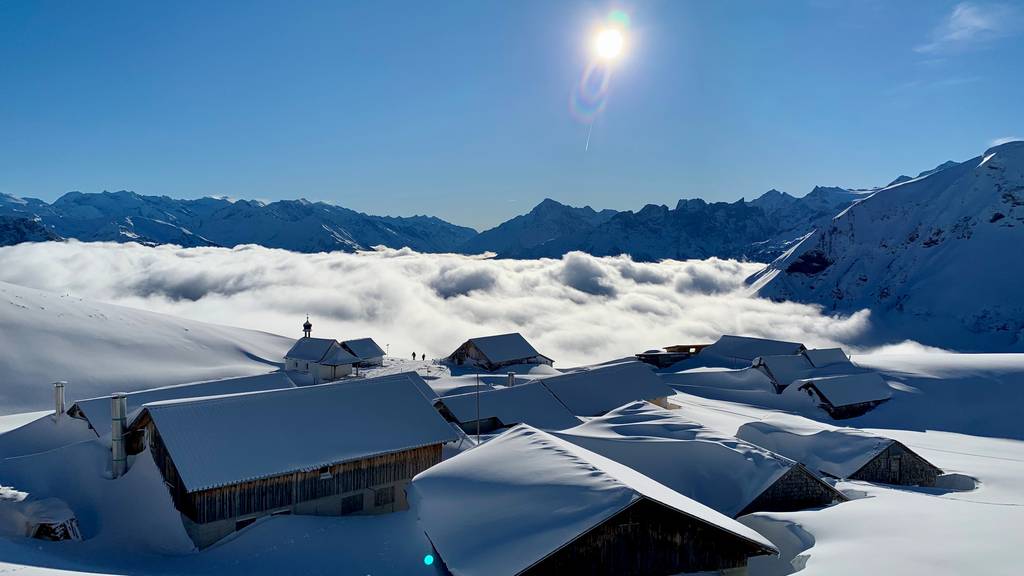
(936, 258)
(102, 348)
(297, 225)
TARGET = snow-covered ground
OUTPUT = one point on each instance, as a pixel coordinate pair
(101, 348)
(945, 410)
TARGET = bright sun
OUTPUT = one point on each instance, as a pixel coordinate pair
(608, 43)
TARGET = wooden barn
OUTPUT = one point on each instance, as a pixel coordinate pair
(566, 510)
(494, 352)
(844, 396)
(331, 449)
(366, 350)
(841, 452)
(725, 473)
(322, 358)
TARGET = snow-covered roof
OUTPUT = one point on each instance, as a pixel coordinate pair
(835, 451)
(785, 369)
(505, 347)
(821, 357)
(507, 504)
(849, 388)
(748, 348)
(97, 410)
(311, 349)
(530, 403)
(719, 471)
(229, 439)
(338, 357)
(596, 390)
(363, 348)
(416, 380)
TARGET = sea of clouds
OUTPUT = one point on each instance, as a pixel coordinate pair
(577, 309)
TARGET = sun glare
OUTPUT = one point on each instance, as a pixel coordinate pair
(608, 43)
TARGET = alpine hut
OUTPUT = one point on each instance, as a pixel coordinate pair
(366, 350)
(566, 510)
(330, 449)
(841, 452)
(494, 352)
(844, 396)
(725, 473)
(322, 358)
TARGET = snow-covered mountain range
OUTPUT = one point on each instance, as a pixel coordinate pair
(942, 251)
(757, 230)
(297, 225)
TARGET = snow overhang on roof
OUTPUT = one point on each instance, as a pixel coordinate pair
(832, 450)
(596, 390)
(850, 389)
(96, 411)
(720, 471)
(547, 492)
(748, 348)
(531, 403)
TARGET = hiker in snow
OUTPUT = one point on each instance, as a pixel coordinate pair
(413, 355)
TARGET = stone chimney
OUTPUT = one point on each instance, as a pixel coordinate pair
(118, 416)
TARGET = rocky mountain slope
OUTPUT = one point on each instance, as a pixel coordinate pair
(938, 254)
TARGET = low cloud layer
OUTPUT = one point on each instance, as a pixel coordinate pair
(578, 309)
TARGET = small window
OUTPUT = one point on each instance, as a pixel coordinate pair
(352, 504)
(307, 365)
(384, 496)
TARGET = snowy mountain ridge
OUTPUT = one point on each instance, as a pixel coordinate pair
(298, 225)
(939, 254)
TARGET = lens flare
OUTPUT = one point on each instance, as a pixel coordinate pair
(608, 43)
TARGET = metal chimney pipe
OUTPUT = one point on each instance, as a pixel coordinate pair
(118, 417)
(58, 399)
(511, 379)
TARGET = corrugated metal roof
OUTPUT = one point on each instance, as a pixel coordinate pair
(97, 410)
(230, 439)
(364, 348)
(596, 390)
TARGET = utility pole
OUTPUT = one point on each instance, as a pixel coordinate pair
(478, 407)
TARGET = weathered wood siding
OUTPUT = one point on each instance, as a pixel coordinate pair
(268, 494)
(648, 539)
(797, 489)
(897, 464)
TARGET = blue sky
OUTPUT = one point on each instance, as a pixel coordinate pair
(462, 110)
